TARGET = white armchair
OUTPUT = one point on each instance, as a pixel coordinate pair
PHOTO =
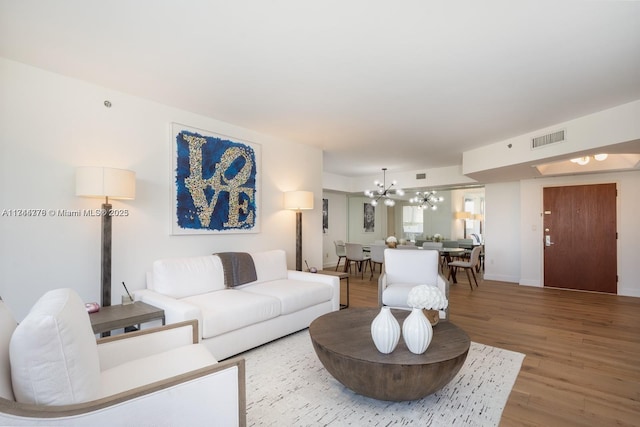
(54, 373)
(405, 269)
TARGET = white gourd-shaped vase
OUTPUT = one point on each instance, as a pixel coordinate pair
(417, 331)
(385, 331)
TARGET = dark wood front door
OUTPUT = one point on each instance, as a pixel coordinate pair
(580, 237)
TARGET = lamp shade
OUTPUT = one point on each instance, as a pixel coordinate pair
(105, 182)
(298, 200)
(462, 215)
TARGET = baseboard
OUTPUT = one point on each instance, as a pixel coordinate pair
(501, 278)
(628, 292)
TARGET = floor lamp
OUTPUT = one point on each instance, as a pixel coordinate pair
(464, 216)
(105, 182)
(298, 201)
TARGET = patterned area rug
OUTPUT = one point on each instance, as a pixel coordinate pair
(288, 386)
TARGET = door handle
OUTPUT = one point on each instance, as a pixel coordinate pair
(547, 240)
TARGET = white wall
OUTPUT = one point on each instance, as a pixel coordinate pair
(513, 228)
(531, 192)
(502, 232)
(616, 125)
(457, 205)
(355, 215)
(439, 221)
(337, 227)
(434, 178)
(50, 124)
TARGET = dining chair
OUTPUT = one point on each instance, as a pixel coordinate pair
(407, 245)
(356, 255)
(341, 251)
(480, 264)
(377, 257)
(450, 244)
(436, 246)
(467, 265)
(432, 245)
(467, 244)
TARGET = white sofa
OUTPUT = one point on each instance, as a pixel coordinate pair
(233, 320)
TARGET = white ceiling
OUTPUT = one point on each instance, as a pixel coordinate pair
(406, 85)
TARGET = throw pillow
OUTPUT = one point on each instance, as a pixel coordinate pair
(53, 352)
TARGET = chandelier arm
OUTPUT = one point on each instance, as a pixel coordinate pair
(426, 199)
(384, 192)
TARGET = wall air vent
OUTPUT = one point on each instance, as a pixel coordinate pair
(421, 176)
(551, 138)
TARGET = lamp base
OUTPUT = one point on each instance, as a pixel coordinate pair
(299, 240)
(105, 276)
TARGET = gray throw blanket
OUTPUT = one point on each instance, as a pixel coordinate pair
(238, 268)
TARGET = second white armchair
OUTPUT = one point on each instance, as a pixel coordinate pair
(405, 269)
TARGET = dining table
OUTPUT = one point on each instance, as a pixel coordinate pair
(447, 254)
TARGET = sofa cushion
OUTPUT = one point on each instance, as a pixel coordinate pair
(54, 358)
(184, 277)
(156, 367)
(294, 295)
(270, 265)
(231, 309)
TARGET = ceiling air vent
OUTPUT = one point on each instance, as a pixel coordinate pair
(421, 176)
(551, 138)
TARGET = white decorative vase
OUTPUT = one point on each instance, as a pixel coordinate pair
(385, 331)
(417, 331)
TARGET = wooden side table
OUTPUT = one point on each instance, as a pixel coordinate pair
(343, 276)
(122, 316)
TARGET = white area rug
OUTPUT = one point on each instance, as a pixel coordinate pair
(288, 386)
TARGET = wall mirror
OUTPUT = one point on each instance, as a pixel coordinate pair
(406, 221)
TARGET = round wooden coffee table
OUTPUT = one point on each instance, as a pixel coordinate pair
(342, 340)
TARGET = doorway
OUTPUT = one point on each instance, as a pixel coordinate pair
(580, 237)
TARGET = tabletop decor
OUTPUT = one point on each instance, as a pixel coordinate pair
(433, 316)
(416, 329)
(392, 242)
(385, 331)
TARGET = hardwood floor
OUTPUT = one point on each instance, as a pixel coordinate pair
(582, 364)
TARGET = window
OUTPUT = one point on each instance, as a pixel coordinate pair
(412, 219)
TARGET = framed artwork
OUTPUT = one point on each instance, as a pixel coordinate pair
(325, 215)
(369, 218)
(216, 183)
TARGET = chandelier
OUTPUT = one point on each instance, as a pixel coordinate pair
(383, 192)
(584, 160)
(427, 200)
